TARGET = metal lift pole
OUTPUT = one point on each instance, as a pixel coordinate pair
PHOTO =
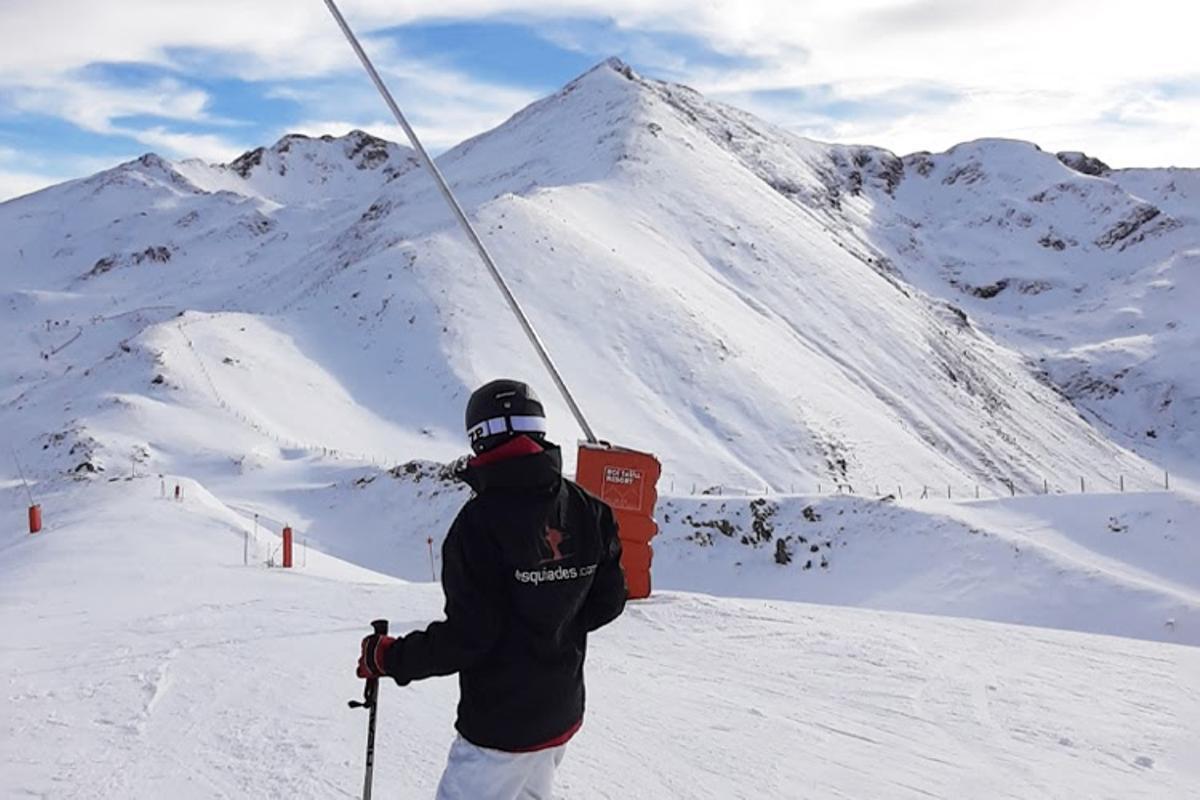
(468, 229)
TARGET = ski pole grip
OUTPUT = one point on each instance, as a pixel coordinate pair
(380, 626)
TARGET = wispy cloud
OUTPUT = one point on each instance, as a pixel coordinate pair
(94, 106)
(906, 74)
(206, 146)
(445, 104)
(15, 184)
(135, 112)
(23, 172)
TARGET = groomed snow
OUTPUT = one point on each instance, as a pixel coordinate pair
(143, 660)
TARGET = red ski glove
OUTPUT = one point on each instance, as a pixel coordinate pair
(373, 659)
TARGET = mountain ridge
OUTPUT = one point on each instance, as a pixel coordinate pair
(664, 212)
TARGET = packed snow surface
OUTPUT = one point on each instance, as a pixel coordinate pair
(159, 665)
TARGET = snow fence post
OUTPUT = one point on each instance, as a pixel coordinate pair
(432, 570)
(1082, 487)
(1167, 480)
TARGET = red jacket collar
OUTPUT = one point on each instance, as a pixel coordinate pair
(513, 448)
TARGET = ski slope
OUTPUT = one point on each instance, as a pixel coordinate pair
(143, 659)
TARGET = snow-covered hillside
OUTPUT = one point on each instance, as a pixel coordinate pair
(1093, 274)
(713, 288)
(1120, 564)
(142, 659)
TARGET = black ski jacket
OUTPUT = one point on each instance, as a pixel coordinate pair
(531, 565)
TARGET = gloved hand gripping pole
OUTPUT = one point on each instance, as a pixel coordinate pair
(370, 702)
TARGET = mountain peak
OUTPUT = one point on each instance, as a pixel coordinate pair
(363, 150)
(1083, 163)
(610, 72)
(619, 66)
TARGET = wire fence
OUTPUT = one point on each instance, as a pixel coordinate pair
(263, 543)
(900, 490)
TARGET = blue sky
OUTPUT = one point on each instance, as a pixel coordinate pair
(84, 85)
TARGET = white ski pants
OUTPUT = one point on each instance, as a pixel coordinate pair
(479, 773)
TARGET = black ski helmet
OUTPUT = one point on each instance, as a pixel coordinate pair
(502, 409)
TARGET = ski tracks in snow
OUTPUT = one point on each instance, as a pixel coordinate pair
(201, 678)
(790, 701)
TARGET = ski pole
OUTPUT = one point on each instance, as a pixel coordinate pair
(370, 695)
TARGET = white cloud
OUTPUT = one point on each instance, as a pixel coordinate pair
(1019, 42)
(443, 105)
(22, 173)
(1071, 69)
(15, 184)
(1133, 128)
(206, 146)
(100, 107)
(93, 105)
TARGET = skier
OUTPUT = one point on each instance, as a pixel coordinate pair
(530, 566)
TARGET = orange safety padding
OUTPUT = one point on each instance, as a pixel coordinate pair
(638, 529)
(628, 481)
(636, 557)
(35, 518)
(637, 571)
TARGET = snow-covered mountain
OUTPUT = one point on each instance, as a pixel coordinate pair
(756, 308)
(764, 312)
(1092, 273)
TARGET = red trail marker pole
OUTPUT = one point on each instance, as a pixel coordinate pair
(287, 547)
(35, 510)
